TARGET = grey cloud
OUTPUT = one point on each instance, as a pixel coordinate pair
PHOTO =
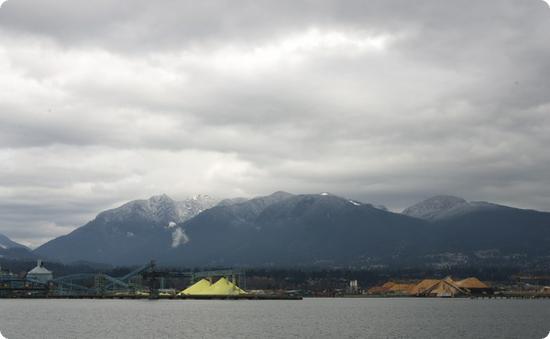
(108, 101)
(145, 24)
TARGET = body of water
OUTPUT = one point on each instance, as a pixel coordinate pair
(309, 318)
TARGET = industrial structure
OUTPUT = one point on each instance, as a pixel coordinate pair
(40, 273)
(146, 281)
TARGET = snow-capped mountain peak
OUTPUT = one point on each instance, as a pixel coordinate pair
(154, 226)
(161, 209)
(188, 208)
(436, 207)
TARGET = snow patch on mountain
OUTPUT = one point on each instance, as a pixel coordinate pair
(354, 203)
(445, 206)
(434, 207)
(232, 201)
(7, 243)
(189, 208)
(160, 209)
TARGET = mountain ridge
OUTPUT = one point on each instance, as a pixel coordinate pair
(306, 229)
(296, 229)
(130, 232)
(7, 243)
(10, 249)
(445, 206)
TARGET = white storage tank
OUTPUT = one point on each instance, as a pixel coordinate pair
(40, 273)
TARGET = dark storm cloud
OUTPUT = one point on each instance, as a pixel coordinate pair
(382, 101)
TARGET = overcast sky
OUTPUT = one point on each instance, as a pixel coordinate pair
(387, 102)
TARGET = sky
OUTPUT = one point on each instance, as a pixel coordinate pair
(382, 101)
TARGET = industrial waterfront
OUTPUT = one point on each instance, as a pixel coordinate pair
(152, 282)
(144, 282)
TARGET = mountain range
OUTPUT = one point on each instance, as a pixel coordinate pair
(284, 229)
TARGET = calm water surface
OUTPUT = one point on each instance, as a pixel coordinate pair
(309, 318)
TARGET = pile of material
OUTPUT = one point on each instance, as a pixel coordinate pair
(475, 286)
(222, 287)
(445, 288)
(472, 283)
(434, 288)
(422, 286)
(392, 288)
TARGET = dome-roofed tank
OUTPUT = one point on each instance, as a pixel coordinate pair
(40, 273)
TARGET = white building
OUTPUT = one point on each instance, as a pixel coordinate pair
(353, 286)
(40, 273)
